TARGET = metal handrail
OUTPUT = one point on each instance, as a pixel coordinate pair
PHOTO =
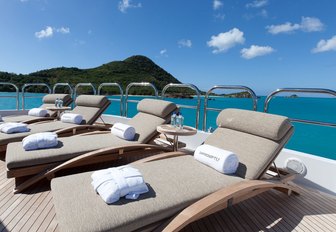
(31, 84)
(302, 90)
(190, 86)
(231, 87)
(140, 84)
(63, 84)
(8, 96)
(120, 90)
(84, 84)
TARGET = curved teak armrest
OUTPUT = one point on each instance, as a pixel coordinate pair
(223, 198)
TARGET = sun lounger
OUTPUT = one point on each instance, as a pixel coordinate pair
(182, 189)
(90, 107)
(151, 113)
(48, 101)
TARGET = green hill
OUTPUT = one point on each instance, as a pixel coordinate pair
(133, 69)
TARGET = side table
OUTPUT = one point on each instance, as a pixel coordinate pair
(168, 129)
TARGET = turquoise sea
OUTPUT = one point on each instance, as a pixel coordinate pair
(317, 140)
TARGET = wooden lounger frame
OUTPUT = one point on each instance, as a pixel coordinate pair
(222, 198)
(77, 129)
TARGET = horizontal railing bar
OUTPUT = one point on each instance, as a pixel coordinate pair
(313, 122)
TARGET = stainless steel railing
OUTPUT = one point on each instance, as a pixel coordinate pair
(301, 90)
(63, 84)
(28, 85)
(139, 84)
(226, 87)
(84, 84)
(17, 95)
(189, 86)
(120, 91)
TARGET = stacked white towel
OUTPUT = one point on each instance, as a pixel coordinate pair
(72, 118)
(219, 159)
(113, 183)
(40, 140)
(13, 127)
(38, 112)
(123, 131)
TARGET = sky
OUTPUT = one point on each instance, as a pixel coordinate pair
(262, 44)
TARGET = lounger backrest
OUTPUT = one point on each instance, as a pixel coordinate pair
(151, 113)
(49, 101)
(90, 107)
(255, 137)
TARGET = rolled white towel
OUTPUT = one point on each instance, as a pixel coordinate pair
(13, 127)
(72, 118)
(113, 183)
(219, 159)
(38, 112)
(123, 131)
(40, 140)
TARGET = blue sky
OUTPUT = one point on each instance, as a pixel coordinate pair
(263, 44)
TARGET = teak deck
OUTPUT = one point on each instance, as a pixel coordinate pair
(311, 211)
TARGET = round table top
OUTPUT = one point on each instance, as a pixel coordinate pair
(171, 130)
(54, 108)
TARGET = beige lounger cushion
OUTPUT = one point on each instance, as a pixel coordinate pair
(34, 128)
(51, 98)
(79, 208)
(48, 101)
(145, 128)
(90, 115)
(155, 107)
(68, 147)
(91, 100)
(265, 125)
(254, 153)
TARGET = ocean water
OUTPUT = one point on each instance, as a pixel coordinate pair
(317, 140)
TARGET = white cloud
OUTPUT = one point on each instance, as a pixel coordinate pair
(226, 40)
(257, 4)
(184, 43)
(63, 30)
(48, 32)
(125, 4)
(163, 52)
(217, 4)
(308, 24)
(325, 45)
(255, 50)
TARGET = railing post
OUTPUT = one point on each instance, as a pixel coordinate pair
(32, 84)
(120, 91)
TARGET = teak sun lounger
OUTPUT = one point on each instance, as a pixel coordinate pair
(90, 107)
(181, 189)
(48, 101)
(151, 113)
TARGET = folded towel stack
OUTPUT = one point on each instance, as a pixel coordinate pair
(38, 112)
(40, 140)
(13, 127)
(221, 160)
(113, 183)
(72, 118)
(123, 131)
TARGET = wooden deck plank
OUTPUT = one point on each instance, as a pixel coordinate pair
(311, 211)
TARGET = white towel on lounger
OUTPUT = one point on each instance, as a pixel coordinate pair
(113, 183)
(13, 127)
(40, 140)
(72, 118)
(38, 112)
(123, 131)
(219, 159)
